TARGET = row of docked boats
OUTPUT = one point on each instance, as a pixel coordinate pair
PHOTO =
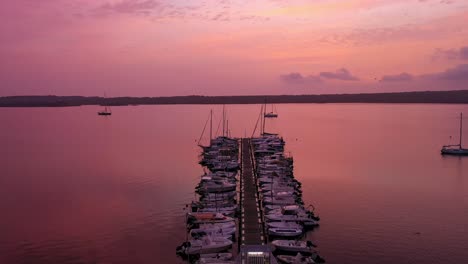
(211, 225)
(285, 215)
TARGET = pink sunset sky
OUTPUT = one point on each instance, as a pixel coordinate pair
(222, 47)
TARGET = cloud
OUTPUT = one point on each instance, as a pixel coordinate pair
(340, 74)
(130, 7)
(402, 77)
(293, 77)
(464, 53)
(451, 54)
(457, 73)
(297, 78)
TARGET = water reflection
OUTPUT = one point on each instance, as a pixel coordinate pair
(77, 188)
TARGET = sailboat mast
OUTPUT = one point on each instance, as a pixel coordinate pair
(261, 120)
(461, 129)
(211, 125)
(264, 121)
(224, 120)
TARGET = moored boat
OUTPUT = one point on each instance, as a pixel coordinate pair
(293, 246)
(285, 231)
(198, 218)
(204, 245)
(300, 259)
(456, 150)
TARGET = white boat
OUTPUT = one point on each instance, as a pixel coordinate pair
(280, 193)
(222, 195)
(284, 224)
(222, 166)
(223, 231)
(290, 210)
(266, 190)
(107, 111)
(282, 200)
(218, 225)
(213, 203)
(298, 259)
(201, 235)
(305, 220)
(217, 186)
(218, 258)
(293, 246)
(285, 232)
(271, 114)
(200, 218)
(204, 245)
(231, 210)
(456, 150)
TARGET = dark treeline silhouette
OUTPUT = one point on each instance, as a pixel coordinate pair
(434, 97)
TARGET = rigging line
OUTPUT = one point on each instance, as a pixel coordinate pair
(203, 132)
(256, 124)
(219, 124)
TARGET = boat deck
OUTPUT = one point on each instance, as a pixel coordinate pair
(251, 223)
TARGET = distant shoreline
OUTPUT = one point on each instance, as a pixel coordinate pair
(426, 97)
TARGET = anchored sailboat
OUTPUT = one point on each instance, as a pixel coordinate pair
(457, 150)
(272, 114)
(107, 111)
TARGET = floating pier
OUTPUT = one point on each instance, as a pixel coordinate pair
(251, 220)
(252, 243)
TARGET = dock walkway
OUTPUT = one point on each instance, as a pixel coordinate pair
(251, 224)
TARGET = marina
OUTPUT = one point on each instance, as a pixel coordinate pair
(249, 207)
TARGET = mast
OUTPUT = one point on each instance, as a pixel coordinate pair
(461, 129)
(261, 120)
(224, 121)
(227, 128)
(264, 121)
(211, 125)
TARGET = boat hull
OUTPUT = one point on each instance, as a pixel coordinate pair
(454, 152)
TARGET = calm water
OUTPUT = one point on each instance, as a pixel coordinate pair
(80, 188)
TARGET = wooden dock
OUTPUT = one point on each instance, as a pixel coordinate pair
(251, 220)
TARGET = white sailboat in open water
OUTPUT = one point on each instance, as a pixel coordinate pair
(457, 149)
(107, 111)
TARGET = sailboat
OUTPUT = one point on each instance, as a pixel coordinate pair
(271, 114)
(107, 111)
(456, 150)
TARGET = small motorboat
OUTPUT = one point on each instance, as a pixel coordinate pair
(281, 200)
(293, 246)
(205, 245)
(227, 210)
(300, 259)
(284, 225)
(218, 258)
(218, 225)
(285, 232)
(216, 186)
(201, 235)
(199, 218)
(305, 220)
(228, 231)
(217, 196)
